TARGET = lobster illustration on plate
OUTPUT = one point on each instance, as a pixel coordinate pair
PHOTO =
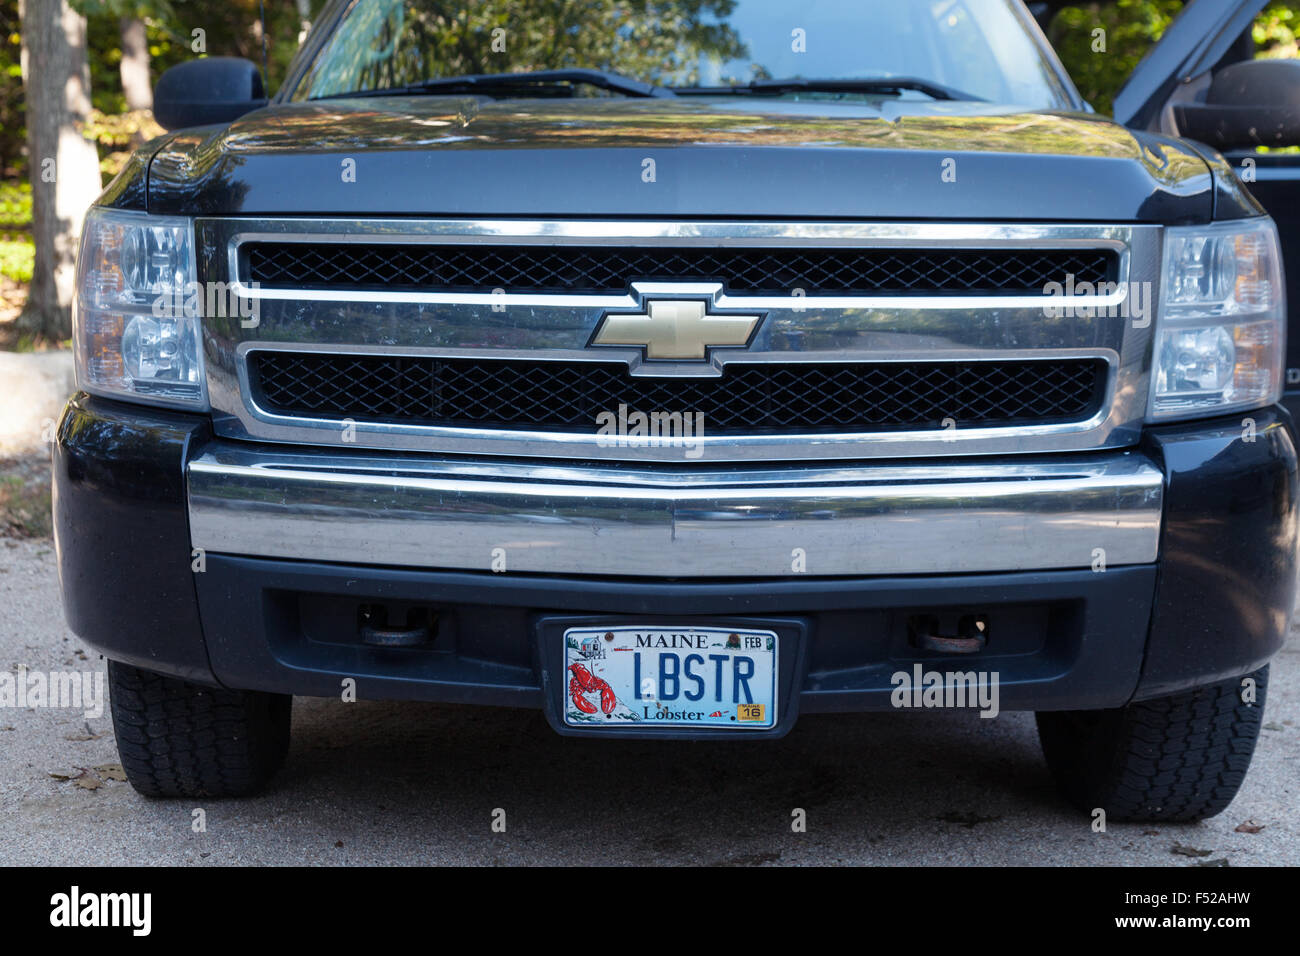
(584, 682)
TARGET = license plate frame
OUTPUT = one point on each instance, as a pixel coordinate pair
(734, 675)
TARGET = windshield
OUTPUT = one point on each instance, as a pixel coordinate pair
(981, 47)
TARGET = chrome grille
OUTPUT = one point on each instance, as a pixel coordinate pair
(746, 399)
(901, 326)
(587, 269)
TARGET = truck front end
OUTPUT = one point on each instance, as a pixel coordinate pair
(891, 403)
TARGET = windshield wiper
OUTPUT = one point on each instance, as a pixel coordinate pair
(890, 84)
(490, 83)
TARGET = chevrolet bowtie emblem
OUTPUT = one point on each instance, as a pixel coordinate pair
(679, 329)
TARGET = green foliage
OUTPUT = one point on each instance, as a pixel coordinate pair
(1276, 30)
(13, 124)
(15, 206)
(116, 134)
(1100, 63)
(229, 27)
(17, 258)
(16, 250)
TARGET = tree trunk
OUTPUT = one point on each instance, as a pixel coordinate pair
(135, 65)
(304, 19)
(62, 164)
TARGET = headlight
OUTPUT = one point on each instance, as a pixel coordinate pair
(1221, 327)
(136, 326)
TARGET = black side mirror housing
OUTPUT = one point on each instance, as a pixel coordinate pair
(215, 89)
(1255, 103)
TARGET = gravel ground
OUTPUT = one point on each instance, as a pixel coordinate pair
(383, 783)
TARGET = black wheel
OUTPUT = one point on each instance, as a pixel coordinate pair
(178, 739)
(1174, 758)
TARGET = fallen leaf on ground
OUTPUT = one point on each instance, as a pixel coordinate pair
(1188, 850)
(1250, 826)
(1221, 861)
(1272, 726)
(91, 778)
(82, 737)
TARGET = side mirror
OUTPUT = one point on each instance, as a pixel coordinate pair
(215, 89)
(1255, 103)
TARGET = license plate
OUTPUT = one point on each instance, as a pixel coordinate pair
(660, 677)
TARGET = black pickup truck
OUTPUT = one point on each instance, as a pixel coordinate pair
(679, 377)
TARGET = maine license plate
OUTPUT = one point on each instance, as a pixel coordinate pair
(657, 677)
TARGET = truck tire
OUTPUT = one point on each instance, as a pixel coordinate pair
(178, 739)
(1174, 758)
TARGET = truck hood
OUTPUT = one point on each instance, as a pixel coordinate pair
(685, 157)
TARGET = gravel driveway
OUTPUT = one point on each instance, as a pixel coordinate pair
(384, 783)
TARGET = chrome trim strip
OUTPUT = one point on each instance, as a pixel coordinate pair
(795, 329)
(551, 518)
(627, 302)
(632, 232)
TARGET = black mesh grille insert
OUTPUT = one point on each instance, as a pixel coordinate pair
(582, 269)
(748, 399)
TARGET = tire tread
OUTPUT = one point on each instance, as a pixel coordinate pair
(178, 739)
(1177, 758)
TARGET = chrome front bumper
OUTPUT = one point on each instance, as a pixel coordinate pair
(403, 511)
